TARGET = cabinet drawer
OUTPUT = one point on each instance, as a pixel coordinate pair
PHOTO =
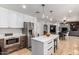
(2, 42)
(12, 49)
(49, 43)
(50, 50)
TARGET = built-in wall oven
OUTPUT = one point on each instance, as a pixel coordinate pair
(10, 41)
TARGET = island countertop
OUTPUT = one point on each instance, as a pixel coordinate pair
(45, 38)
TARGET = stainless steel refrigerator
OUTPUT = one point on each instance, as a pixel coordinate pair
(28, 30)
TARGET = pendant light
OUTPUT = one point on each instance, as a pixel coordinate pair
(43, 15)
(51, 15)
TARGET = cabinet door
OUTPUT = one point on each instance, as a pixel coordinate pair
(3, 18)
(12, 19)
(19, 20)
(23, 42)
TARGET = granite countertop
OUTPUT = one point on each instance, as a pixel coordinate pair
(14, 35)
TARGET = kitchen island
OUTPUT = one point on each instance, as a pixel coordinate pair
(44, 45)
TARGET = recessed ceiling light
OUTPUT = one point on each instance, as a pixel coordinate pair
(24, 6)
(70, 11)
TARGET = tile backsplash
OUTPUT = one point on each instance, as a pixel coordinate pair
(10, 30)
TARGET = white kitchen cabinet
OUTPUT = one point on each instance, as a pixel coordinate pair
(12, 19)
(3, 18)
(20, 19)
(15, 19)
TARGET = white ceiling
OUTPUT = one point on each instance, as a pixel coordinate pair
(60, 10)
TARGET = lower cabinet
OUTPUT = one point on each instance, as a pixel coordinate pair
(23, 42)
(11, 49)
(8, 50)
(42, 48)
(47, 47)
(2, 51)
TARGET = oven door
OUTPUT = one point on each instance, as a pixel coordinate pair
(11, 41)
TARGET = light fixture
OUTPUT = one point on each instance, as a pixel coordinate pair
(23, 6)
(70, 11)
(43, 15)
(51, 15)
(50, 19)
(46, 16)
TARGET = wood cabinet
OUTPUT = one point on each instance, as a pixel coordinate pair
(2, 42)
(23, 42)
(2, 50)
(11, 49)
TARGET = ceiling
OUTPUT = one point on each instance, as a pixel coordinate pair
(59, 11)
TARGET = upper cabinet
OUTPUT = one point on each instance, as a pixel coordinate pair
(20, 20)
(12, 19)
(3, 18)
(15, 19)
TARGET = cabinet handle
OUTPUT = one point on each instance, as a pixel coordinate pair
(49, 48)
(50, 42)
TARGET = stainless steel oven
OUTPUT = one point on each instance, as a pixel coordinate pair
(10, 41)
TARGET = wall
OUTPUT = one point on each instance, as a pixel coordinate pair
(40, 25)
